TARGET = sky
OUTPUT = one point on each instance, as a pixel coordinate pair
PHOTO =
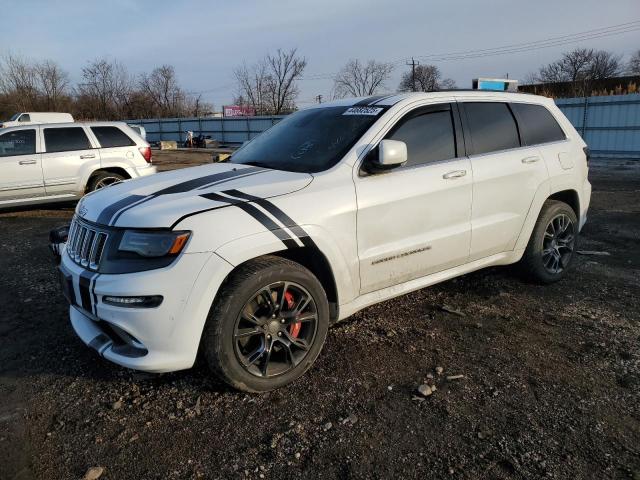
(206, 40)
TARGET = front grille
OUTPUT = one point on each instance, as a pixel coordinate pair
(86, 244)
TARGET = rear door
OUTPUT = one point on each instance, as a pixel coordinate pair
(414, 220)
(506, 176)
(539, 128)
(20, 167)
(68, 155)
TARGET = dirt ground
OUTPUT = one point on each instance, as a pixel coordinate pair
(550, 386)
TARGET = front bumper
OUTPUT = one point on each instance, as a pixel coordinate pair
(159, 339)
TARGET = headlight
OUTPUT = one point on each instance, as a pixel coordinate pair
(153, 244)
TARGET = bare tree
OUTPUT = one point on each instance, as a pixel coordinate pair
(270, 86)
(105, 88)
(427, 78)
(53, 83)
(196, 107)
(252, 85)
(634, 64)
(604, 65)
(356, 79)
(18, 81)
(581, 67)
(283, 68)
(162, 87)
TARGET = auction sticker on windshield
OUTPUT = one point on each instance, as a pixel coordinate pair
(363, 111)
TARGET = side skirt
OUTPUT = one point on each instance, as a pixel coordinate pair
(368, 299)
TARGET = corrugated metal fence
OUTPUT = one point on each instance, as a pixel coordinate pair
(228, 131)
(610, 125)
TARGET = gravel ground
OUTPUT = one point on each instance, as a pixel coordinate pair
(530, 381)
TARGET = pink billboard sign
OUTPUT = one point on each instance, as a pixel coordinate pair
(238, 111)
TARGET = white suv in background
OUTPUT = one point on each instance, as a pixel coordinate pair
(63, 161)
(335, 208)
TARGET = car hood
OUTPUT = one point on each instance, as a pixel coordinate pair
(163, 199)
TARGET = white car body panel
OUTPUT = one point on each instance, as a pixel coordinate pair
(381, 235)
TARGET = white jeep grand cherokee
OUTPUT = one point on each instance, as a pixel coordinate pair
(335, 208)
(56, 162)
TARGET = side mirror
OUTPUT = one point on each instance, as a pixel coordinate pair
(391, 153)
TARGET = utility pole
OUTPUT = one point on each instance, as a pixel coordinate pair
(319, 98)
(413, 73)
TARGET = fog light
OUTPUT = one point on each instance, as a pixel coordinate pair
(134, 302)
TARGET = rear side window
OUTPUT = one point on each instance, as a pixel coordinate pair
(429, 137)
(65, 139)
(492, 127)
(112, 137)
(537, 125)
(21, 142)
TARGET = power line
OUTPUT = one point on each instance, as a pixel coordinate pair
(585, 35)
(516, 48)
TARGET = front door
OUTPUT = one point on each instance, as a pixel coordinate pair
(20, 167)
(414, 220)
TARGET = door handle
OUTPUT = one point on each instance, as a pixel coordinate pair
(88, 155)
(533, 159)
(454, 174)
(27, 162)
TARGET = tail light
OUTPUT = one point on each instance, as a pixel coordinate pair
(587, 154)
(146, 153)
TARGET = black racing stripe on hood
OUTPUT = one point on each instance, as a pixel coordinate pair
(281, 216)
(199, 182)
(110, 215)
(258, 215)
(108, 212)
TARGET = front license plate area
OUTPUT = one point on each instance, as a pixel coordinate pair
(66, 283)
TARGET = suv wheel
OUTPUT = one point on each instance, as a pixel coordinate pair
(267, 325)
(104, 179)
(552, 243)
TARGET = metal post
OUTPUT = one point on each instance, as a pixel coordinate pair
(585, 116)
(248, 130)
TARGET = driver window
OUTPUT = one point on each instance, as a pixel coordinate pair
(18, 142)
(429, 136)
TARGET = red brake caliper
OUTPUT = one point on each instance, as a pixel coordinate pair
(294, 328)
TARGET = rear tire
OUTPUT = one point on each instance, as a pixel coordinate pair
(256, 320)
(103, 179)
(552, 244)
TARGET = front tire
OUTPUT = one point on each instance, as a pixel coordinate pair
(553, 242)
(267, 325)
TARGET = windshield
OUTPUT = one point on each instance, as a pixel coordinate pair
(14, 117)
(310, 140)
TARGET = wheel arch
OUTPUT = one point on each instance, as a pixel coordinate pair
(311, 258)
(570, 197)
(97, 171)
